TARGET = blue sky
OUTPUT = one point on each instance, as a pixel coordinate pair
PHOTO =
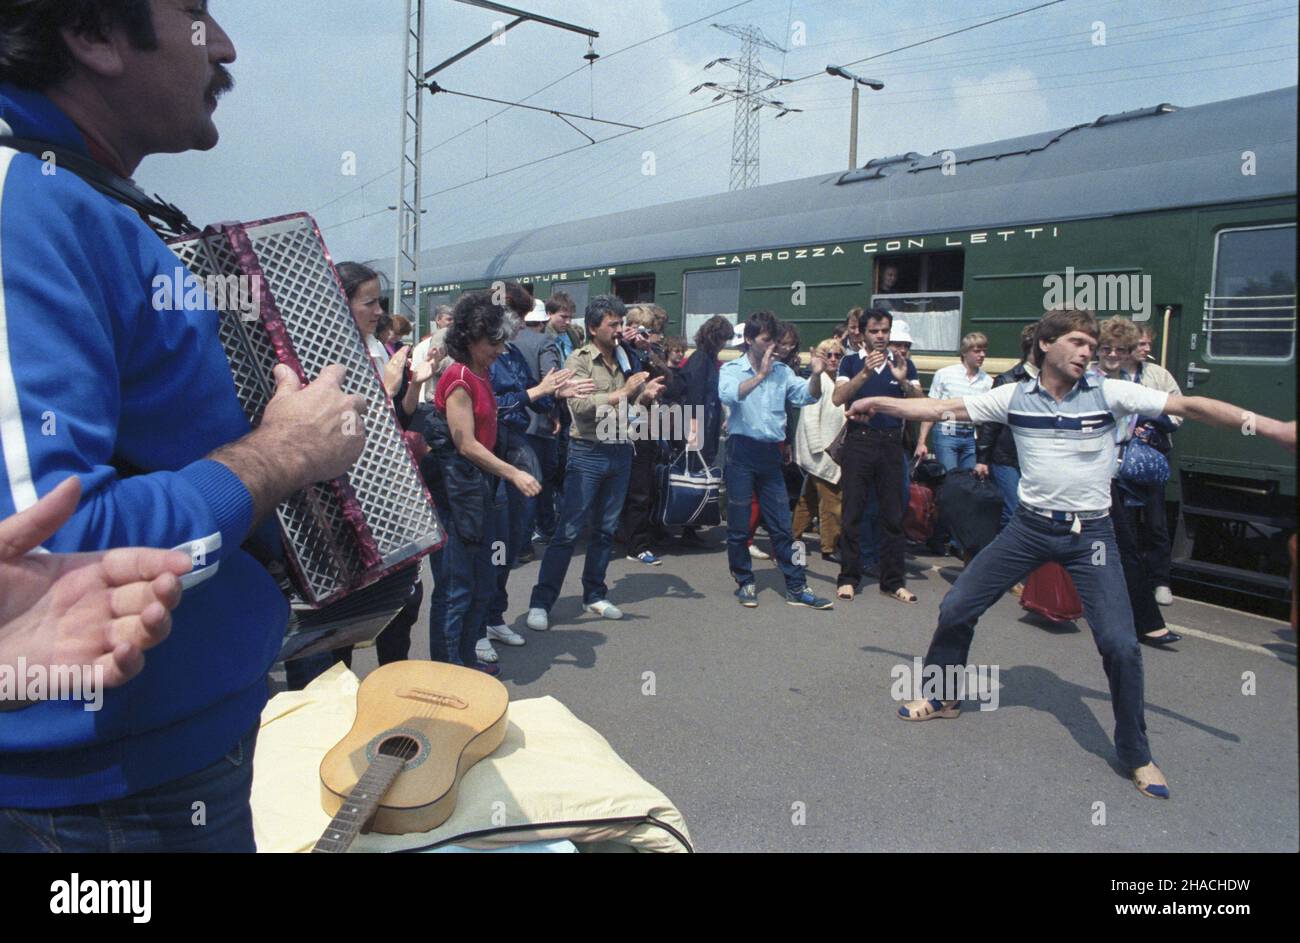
(320, 80)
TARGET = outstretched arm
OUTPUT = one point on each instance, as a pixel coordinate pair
(1218, 413)
(919, 408)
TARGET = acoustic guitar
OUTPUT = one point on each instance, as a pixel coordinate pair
(420, 726)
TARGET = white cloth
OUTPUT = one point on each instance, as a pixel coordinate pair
(819, 423)
(551, 768)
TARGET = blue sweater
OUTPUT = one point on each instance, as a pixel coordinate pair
(93, 376)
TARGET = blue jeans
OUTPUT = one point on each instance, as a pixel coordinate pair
(1007, 478)
(754, 468)
(471, 580)
(1029, 541)
(163, 818)
(514, 527)
(955, 451)
(546, 448)
(438, 602)
(595, 483)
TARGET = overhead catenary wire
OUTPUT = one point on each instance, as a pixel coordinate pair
(607, 56)
(997, 19)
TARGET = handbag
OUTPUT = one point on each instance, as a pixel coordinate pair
(921, 513)
(836, 449)
(1050, 592)
(688, 492)
(1143, 465)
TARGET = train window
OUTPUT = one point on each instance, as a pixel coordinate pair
(1250, 311)
(715, 291)
(577, 291)
(925, 289)
(635, 289)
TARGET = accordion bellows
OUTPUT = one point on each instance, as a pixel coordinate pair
(344, 534)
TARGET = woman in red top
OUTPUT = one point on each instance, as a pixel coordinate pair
(465, 577)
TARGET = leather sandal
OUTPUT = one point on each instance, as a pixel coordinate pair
(1151, 782)
(902, 594)
(928, 710)
(846, 591)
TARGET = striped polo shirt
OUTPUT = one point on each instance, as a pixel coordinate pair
(1067, 449)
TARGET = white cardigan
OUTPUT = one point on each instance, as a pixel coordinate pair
(819, 423)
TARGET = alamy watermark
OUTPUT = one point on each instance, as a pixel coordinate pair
(183, 290)
(1108, 294)
(919, 681)
(624, 423)
(27, 683)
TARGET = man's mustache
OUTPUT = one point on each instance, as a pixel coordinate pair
(223, 82)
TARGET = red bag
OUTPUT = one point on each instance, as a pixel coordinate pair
(1050, 592)
(918, 521)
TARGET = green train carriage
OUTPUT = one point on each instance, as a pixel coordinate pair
(1183, 217)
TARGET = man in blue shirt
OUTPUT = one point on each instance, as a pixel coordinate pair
(133, 386)
(873, 456)
(756, 389)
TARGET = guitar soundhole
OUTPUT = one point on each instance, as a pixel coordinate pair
(401, 746)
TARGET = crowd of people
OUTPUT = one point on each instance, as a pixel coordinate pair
(509, 396)
(133, 439)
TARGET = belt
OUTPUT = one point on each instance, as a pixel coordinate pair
(864, 429)
(1063, 516)
(956, 428)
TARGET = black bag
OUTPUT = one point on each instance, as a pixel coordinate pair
(969, 509)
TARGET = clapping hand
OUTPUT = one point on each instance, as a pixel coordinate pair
(87, 610)
(574, 387)
(875, 359)
(898, 367)
(553, 381)
(816, 362)
(653, 389)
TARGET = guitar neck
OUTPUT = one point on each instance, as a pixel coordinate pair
(360, 805)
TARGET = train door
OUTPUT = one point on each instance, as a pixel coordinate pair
(1238, 490)
(1244, 350)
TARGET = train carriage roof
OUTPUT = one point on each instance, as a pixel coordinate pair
(1150, 159)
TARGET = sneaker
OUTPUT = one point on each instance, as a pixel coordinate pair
(484, 652)
(808, 599)
(757, 554)
(527, 555)
(487, 669)
(1164, 596)
(646, 557)
(539, 538)
(503, 633)
(605, 609)
(748, 596)
(537, 620)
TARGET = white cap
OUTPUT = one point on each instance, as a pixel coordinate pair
(538, 315)
(899, 333)
(737, 337)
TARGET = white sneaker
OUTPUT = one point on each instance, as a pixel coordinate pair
(1164, 596)
(757, 554)
(484, 652)
(537, 620)
(503, 633)
(605, 609)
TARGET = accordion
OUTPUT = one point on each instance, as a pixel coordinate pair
(280, 301)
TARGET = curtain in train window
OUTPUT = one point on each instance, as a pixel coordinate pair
(715, 291)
